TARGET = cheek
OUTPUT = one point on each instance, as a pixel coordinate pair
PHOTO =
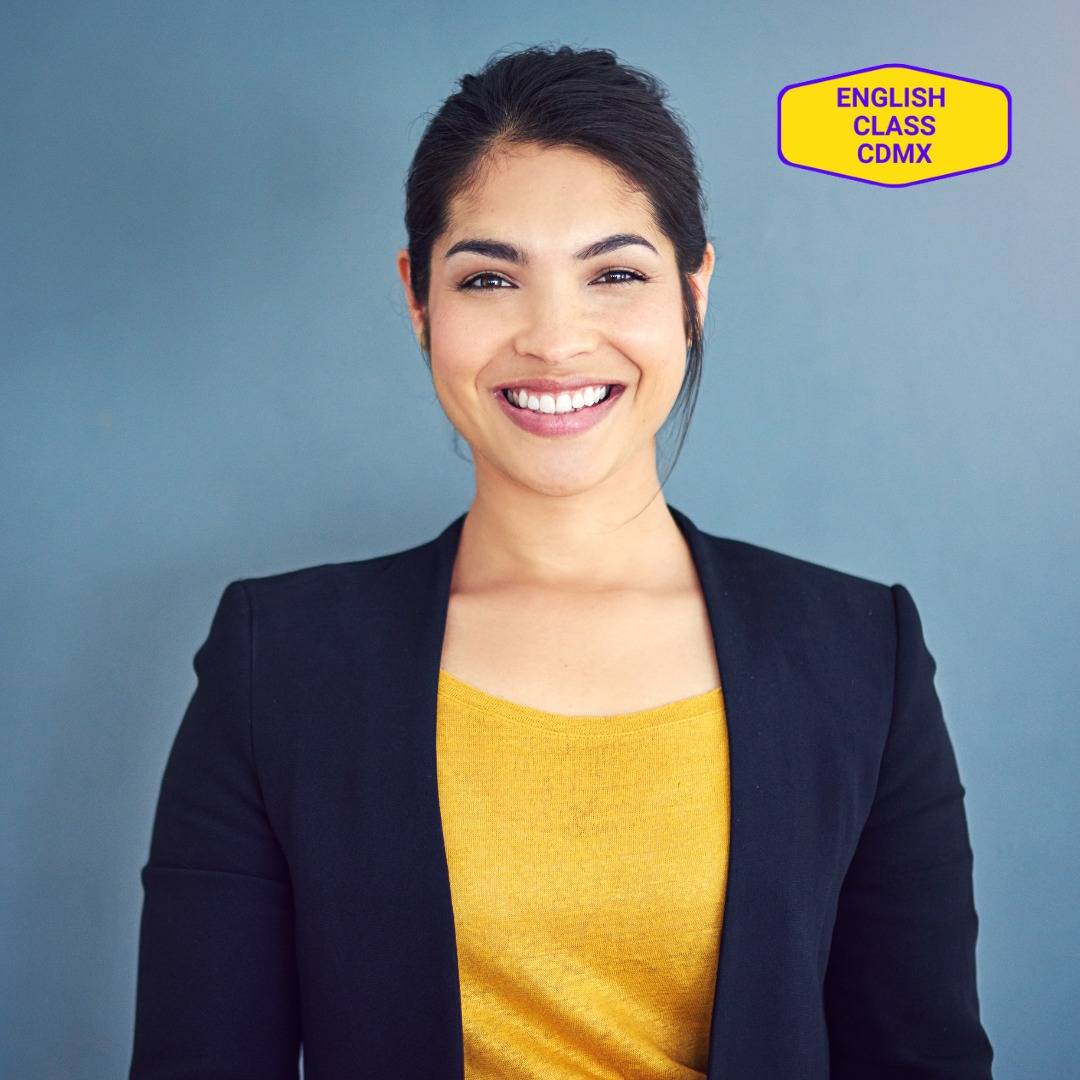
(462, 345)
(459, 350)
(651, 337)
(651, 315)
(456, 367)
(455, 388)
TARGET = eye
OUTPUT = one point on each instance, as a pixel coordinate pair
(470, 283)
(633, 276)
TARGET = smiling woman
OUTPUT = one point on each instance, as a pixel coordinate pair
(574, 788)
(522, 289)
(508, 193)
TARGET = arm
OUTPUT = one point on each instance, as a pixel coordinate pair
(900, 990)
(217, 995)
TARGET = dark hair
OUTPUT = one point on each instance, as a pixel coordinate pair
(564, 97)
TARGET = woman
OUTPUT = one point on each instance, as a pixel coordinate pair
(575, 788)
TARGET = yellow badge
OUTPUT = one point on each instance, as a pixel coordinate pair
(894, 125)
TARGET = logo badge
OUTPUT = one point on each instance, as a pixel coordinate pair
(894, 125)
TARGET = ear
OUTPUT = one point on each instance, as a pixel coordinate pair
(416, 312)
(699, 279)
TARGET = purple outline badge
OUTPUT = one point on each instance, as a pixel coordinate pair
(907, 183)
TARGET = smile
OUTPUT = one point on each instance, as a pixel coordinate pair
(559, 414)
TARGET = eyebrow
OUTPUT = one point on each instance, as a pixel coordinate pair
(497, 249)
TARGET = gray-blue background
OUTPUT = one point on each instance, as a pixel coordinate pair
(207, 373)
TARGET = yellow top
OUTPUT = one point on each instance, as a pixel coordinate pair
(588, 865)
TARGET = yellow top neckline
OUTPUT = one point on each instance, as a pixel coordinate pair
(454, 689)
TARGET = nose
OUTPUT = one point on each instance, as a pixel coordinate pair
(555, 327)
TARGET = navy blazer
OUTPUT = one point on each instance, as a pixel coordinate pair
(297, 888)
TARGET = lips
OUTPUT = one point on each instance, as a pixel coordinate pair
(570, 423)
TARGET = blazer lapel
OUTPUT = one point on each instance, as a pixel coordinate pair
(767, 956)
(756, 992)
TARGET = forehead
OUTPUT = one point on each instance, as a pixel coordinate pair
(549, 195)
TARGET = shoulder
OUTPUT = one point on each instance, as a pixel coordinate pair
(770, 577)
(315, 581)
(803, 619)
(844, 620)
(321, 599)
(787, 565)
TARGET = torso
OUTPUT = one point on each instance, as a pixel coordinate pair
(607, 653)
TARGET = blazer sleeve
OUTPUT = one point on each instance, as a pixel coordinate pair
(900, 988)
(216, 984)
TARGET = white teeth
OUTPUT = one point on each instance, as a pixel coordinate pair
(569, 401)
